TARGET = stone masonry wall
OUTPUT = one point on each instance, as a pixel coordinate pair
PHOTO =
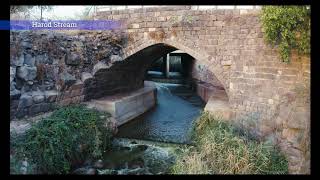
(205, 81)
(48, 69)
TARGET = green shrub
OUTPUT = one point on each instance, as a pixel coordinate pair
(219, 150)
(288, 27)
(69, 136)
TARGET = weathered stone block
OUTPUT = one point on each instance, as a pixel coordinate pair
(100, 65)
(161, 19)
(75, 100)
(299, 120)
(35, 109)
(38, 96)
(25, 101)
(21, 113)
(77, 85)
(27, 73)
(14, 104)
(135, 26)
(29, 60)
(66, 94)
(66, 102)
(41, 59)
(51, 95)
(73, 59)
(81, 98)
(26, 44)
(226, 63)
(67, 79)
(85, 76)
(76, 92)
(15, 94)
(45, 107)
(12, 73)
(17, 61)
(115, 58)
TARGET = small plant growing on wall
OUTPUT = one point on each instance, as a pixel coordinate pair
(288, 27)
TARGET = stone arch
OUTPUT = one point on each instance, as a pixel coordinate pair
(201, 56)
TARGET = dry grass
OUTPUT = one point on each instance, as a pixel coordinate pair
(219, 151)
(193, 164)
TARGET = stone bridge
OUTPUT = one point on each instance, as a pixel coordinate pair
(262, 93)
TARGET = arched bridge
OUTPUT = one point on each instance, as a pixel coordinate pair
(261, 92)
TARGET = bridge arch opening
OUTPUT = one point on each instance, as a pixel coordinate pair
(194, 69)
(188, 80)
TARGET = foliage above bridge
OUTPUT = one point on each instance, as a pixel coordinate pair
(288, 27)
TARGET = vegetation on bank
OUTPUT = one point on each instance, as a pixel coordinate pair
(288, 27)
(74, 134)
(68, 137)
(220, 149)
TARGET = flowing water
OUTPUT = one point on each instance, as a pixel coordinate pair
(170, 120)
(149, 144)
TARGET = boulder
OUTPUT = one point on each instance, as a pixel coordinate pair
(51, 95)
(27, 73)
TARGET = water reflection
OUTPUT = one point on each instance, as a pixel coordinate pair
(172, 118)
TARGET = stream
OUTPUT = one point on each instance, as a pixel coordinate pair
(150, 143)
